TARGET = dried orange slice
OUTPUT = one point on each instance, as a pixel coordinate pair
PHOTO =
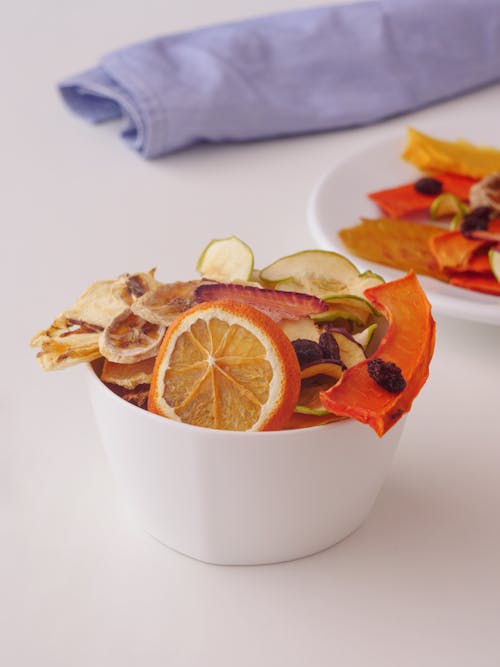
(226, 365)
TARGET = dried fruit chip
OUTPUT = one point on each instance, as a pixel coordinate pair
(398, 243)
(226, 365)
(457, 157)
(128, 376)
(74, 335)
(274, 303)
(129, 338)
(163, 303)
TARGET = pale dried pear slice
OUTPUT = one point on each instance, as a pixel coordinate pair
(130, 338)
(131, 286)
(73, 337)
(66, 345)
(128, 376)
(164, 302)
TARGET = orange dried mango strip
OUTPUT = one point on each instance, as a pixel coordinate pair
(398, 243)
(405, 200)
(458, 157)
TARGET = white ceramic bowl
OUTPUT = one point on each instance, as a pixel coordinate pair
(242, 498)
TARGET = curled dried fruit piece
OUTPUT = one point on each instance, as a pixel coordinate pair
(487, 193)
(329, 346)
(73, 337)
(163, 303)
(274, 303)
(128, 376)
(307, 351)
(408, 342)
(386, 374)
(129, 338)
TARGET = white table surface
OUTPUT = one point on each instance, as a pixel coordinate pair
(80, 583)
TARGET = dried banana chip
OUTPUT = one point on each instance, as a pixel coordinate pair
(130, 338)
(74, 335)
(128, 376)
(163, 303)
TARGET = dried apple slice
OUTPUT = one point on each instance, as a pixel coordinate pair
(351, 352)
(408, 343)
(301, 328)
(226, 260)
(447, 204)
(317, 272)
(494, 259)
(365, 336)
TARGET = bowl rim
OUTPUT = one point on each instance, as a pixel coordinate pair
(92, 376)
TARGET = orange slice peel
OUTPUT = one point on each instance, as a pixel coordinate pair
(226, 365)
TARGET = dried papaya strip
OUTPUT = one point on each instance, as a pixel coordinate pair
(479, 262)
(457, 252)
(299, 420)
(478, 282)
(453, 251)
(398, 243)
(457, 157)
(405, 200)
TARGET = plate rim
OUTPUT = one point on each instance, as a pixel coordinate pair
(452, 306)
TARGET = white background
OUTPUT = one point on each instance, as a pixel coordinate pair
(80, 583)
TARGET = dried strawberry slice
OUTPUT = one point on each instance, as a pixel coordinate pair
(278, 305)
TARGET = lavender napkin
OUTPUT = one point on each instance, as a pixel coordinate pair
(303, 71)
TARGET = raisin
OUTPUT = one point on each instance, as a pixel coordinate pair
(307, 351)
(386, 374)
(478, 218)
(329, 346)
(428, 186)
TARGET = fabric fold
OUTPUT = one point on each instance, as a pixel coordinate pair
(291, 73)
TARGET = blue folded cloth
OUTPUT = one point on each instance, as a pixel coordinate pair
(297, 72)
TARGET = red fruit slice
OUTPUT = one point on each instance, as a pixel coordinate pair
(478, 282)
(276, 304)
(404, 200)
(409, 343)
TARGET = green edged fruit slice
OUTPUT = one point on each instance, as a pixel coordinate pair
(315, 272)
(494, 257)
(447, 204)
(302, 328)
(226, 260)
(365, 336)
(351, 351)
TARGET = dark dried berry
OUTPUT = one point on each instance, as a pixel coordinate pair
(307, 351)
(329, 346)
(478, 218)
(386, 374)
(481, 212)
(428, 186)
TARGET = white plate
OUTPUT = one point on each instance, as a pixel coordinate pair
(340, 199)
